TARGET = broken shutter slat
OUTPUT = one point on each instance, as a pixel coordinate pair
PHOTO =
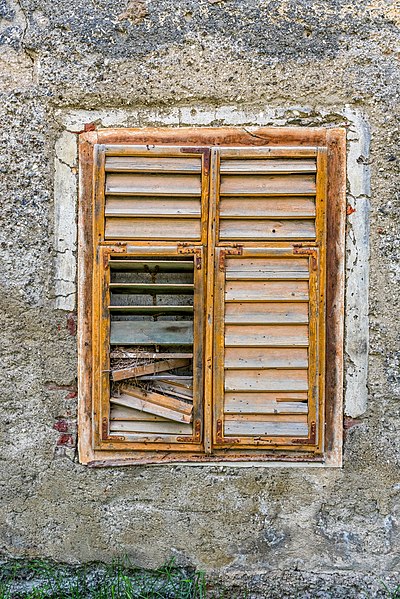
(147, 406)
(123, 413)
(135, 371)
(265, 403)
(153, 398)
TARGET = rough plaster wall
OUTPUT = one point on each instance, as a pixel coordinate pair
(337, 526)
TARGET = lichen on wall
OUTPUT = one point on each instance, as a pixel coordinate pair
(305, 60)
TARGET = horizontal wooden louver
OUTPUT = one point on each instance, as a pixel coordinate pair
(267, 199)
(154, 196)
(265, 348)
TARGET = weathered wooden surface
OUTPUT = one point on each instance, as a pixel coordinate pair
(152, 228)
(160, 185)
(268, 166)
(142, 402)
(144, 164)
(169, 332)
(136, 371)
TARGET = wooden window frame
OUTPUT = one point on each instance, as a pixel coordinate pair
(332, 142)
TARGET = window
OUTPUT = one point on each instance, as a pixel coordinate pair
(211, 295)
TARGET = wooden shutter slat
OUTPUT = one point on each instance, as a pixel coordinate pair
(152, 164)
(152, 228)
(236, 428)
(159, 185)
(131, 394)
(147, 207)
(259, 417)
(152, 265)
(270, 357)
(128, 332)
(266, 266)
(153, 288)
(266, 229)
(293, 185)
(154, 310)
(259, 207)
(266, 380)
(286, 291)
(150, 427)
(122, 413)
(265, 403)
(267, 269)
(269, 165)
(266, 335)
(266, 313)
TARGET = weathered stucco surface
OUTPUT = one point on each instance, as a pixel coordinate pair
(278, 530)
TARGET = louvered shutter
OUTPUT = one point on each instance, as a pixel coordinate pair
(150, 221)
(269, 298)
(202, 333)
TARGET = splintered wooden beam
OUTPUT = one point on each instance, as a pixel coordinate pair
(154, 403)
(173, 388)
(135, 371)
(137, 403)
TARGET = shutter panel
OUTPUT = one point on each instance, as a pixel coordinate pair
(150, 206)
(269, 299)
(267, 315)
(266, 198)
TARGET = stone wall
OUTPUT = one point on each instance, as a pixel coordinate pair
(240, 62)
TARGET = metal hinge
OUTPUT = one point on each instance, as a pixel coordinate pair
(200, 150)
(116, 247)
(300, 249)
(310, 440)
(234, 250)
(196, 437)
(220, 440)
(105, 436)
(186, 248)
